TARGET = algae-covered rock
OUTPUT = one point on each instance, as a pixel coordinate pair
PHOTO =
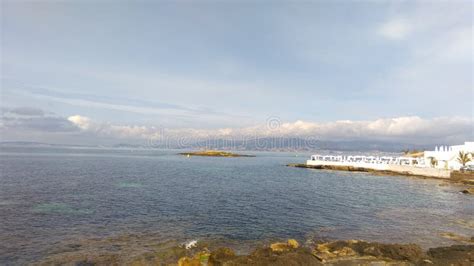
(293, 243)
(220, 256)
(266, 256)
(187, 261)
(468, 181)
(345, 252)
(345, 249)
(200, 258)
(281, 246)
(203, 257)
(452, 255)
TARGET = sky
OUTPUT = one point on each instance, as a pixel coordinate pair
(82, 72)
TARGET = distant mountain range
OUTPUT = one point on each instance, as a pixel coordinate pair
(261, 144)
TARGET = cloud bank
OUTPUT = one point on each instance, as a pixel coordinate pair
(22, 123)
(409, 129)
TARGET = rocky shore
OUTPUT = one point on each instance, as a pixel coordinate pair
(356, 169)
(460, 178)
(350, 252)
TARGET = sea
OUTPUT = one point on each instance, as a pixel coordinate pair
(51, 197)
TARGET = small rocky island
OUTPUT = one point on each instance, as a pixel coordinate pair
(212, 153)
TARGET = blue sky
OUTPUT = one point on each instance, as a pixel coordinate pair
(213, 65)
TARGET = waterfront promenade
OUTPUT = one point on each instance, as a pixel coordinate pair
(439, 163)
(401, 165)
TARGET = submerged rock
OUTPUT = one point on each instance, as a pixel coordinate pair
(457, 237)
(468, 190)
(465, 223)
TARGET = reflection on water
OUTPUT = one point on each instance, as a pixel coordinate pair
(61, 199)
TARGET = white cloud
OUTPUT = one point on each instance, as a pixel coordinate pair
(81, 122)
(108, 129)
(410, 128)
(395, 29)
(33, 119)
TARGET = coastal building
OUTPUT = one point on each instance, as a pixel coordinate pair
(446, 157)
(437, 163)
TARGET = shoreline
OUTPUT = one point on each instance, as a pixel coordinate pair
(465, 179)
(289, 252)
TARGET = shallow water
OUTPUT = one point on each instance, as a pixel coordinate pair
(50, 196)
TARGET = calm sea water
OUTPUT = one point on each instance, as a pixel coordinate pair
(50, 195)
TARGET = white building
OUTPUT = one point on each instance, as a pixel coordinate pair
(446, 157)
(371, 162)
